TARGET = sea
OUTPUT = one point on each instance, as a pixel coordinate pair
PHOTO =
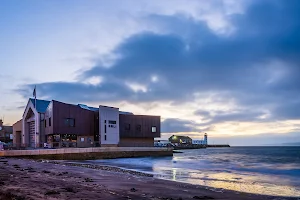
(261, 170)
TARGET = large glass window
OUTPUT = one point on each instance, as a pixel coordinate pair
(69, 140)
(70, 122)
(67, 121)
(127, 127)
(139, 128)
(112, 122)
(56, 140)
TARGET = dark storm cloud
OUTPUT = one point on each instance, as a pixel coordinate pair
(77, 92)
(290, 110)
(230, 116)
(173, 125)
(273, 139)
(190, 58)
(203, 113)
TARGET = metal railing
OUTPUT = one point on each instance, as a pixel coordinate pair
(53, 145)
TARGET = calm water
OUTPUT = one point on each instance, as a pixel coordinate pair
(262, 170)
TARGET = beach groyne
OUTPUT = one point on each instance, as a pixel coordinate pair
(88, 153)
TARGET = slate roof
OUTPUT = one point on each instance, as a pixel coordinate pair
(88, 107)
(41, 105)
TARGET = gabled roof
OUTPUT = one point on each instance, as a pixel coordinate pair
(41, 105)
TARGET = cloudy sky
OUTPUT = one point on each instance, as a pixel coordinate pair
(230, 68)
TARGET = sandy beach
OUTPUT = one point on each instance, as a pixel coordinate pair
(30, 179)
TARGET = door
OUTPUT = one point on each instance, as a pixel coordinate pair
(32, 134)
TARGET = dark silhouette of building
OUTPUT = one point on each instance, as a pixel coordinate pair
(6, 133)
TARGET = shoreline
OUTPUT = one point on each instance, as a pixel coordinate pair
(31, 179)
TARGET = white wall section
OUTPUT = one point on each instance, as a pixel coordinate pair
(109, 125)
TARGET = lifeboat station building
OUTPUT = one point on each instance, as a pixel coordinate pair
(59, 125)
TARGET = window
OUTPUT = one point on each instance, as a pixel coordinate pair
(153, 129)
(104, 121)
(127, 127)
(50, 121)
(70, 122)
(82, 139)
(112, 126)
(45, 122)
(104, 137)
(105, 128)
(56, 138)
(138, 128)
(112, 122)
(69, 137)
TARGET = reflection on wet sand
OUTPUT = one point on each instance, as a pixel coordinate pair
(260, 170)
(242, 183)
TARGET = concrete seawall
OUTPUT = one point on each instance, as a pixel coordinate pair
(88, 153)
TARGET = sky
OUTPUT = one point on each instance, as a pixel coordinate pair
(229, 68)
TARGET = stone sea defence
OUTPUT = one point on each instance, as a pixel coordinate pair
(88, 153)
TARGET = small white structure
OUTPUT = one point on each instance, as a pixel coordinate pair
(201, 142)
(162, 143)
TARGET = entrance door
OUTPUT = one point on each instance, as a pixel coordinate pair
(32, 134)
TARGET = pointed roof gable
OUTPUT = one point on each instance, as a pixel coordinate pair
(41, 105)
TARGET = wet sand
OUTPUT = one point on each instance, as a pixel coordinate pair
(29, 179)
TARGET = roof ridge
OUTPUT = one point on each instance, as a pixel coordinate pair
(39, 99)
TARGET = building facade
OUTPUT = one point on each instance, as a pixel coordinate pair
(33, 134)
(68, 125)
(138, 130)
(62, 125)
(17, 133)
(6, 133)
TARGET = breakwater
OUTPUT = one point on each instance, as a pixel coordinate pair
(180, 147)
(218, 145)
